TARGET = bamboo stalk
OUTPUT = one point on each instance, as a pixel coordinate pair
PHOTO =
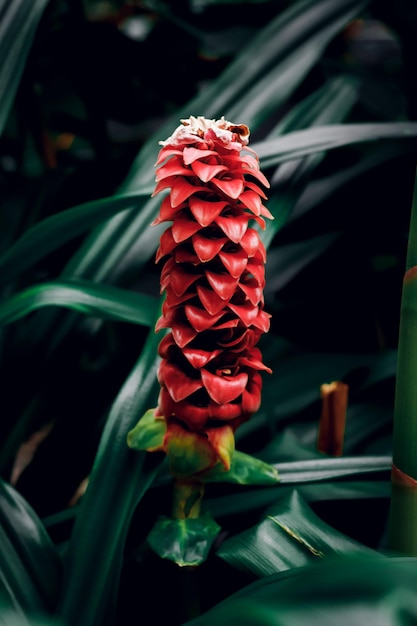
(403, 508)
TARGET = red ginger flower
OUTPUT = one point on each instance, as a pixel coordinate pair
(213, 278)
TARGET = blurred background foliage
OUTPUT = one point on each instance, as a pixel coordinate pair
(88, 87)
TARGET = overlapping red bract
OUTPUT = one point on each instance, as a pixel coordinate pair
(213, 278)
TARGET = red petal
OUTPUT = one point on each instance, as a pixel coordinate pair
(262, 321)
(180, 279)
(234, 227)
(226, 412)
(183, 228)
(232, 323)
(239, 342)
(194, 416)
(246, 312)
(260, 221)
(165, 273)
(183, 334)
(200, 319)
(252, 201)
(232, 187)
(167, 152)
(206, 249)
(173, 167)
(250, 242)
(234, 262)
(178, 384)
(204, 211)
(200, 358)
(253, 170)
(173, 300)
(181, 190)
(257, 269)
(185, 255)
(223, 389)
(223, 284)
(167, 244)
(251, 398)
(210, 300)
(193, 154)
(167, 213)
(250, 185)
(253, 359)
(266, 213)
(205, 171)
(252, 291)
(165, 346)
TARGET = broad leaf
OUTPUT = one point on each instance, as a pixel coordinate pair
(290, 535)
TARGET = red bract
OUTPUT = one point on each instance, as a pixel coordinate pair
(213, 279)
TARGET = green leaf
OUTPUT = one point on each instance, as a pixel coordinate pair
(53, 232)
(85, 297)
(9, 617)
(328, 468)
(285, 262)
(318, 190)
(30, 570)
(118, 480)
(244, 470)
(18, 25)
(187, 542)
(344, 591)
(313, 368)
(303, 142)
(329, 104)
(290, 535)
(238, 504)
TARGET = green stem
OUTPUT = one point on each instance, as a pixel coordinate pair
(403, 513)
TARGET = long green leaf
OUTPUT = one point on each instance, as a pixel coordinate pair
(330, 104)
(103, 301)
(320, 189)
(304, 142)
(18, 24)
(325, 469)
(30, 569)
(118, 480)
(53, 232)
(239, 504)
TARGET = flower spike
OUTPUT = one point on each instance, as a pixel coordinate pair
(212, 276)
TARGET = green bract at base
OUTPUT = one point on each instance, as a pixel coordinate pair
(187, 536)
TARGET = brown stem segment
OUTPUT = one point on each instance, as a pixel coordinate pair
(332, 423)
